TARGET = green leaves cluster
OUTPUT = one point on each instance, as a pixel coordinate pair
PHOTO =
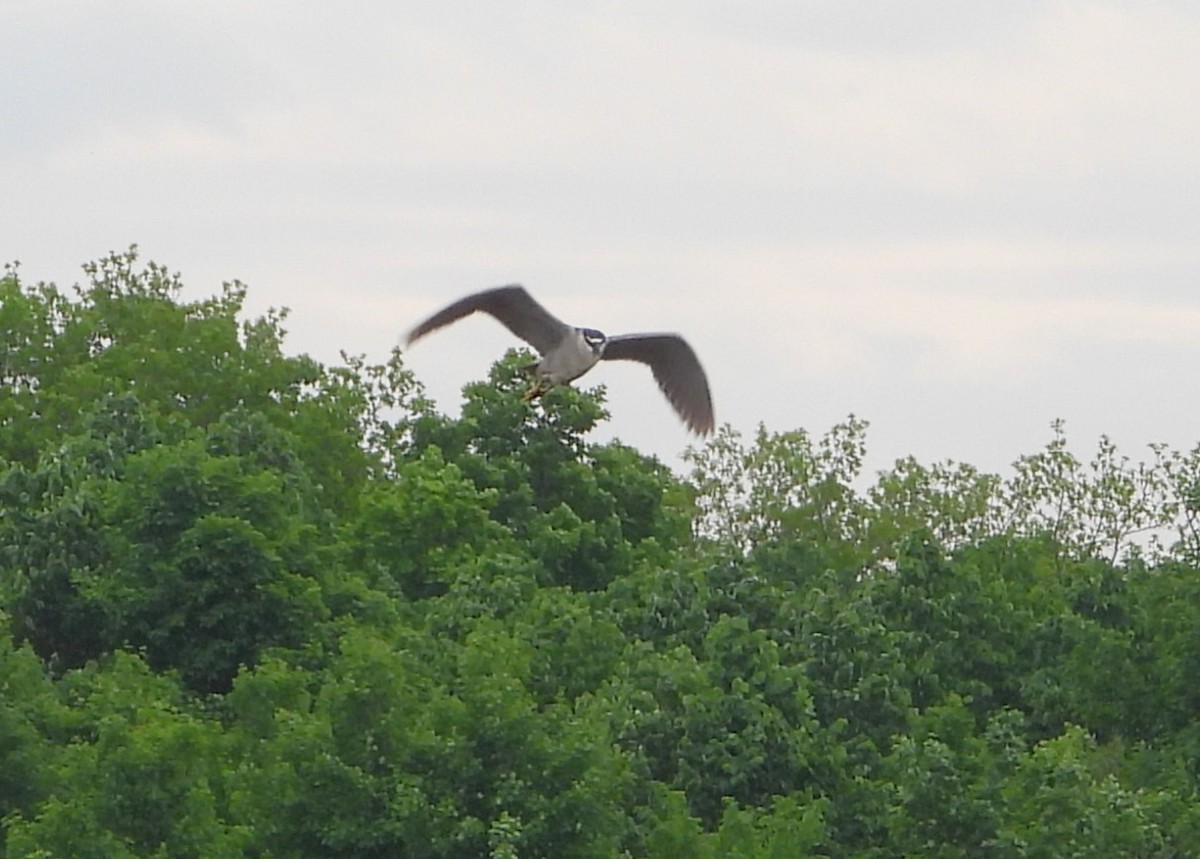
(256, 606)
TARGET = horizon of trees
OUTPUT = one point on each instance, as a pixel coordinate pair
(253, 605)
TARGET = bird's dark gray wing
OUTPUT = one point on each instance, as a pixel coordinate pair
(676, 369)
(513, 306)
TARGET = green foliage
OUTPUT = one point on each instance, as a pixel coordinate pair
(29, 711)
(415, 531)
(140, 778)
(424, 749)
(587, 514)
(256, 606)
(1059, 807)
(200, 553)
(785, 486)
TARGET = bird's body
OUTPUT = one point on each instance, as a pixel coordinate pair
(567, 352)
(574, 355)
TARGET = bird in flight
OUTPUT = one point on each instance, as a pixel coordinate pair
(569, 352)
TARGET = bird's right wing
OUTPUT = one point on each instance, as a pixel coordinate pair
(513, 306)
(676, 369)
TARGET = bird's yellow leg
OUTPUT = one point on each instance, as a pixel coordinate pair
(536, 391)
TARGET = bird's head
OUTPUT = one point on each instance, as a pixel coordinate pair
(594, 338)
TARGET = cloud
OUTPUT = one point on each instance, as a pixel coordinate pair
(867, 199)
(982, 309)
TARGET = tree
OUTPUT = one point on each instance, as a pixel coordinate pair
(253, 605)
(140, 777)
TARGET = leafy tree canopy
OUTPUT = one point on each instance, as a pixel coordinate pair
(253, 605)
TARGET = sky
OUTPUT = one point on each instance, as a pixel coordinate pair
(958, 221)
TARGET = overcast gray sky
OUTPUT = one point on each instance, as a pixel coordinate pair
(959, 221)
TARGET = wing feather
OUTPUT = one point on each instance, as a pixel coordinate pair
(513, 307)
(677, 371)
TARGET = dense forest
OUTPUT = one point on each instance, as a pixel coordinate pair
(252, 605)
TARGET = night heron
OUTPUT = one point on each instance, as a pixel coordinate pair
(569, 352)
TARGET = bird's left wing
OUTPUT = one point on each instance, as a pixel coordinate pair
(513, 306)
(676, 369)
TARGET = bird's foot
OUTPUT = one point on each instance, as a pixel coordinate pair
(533, 393)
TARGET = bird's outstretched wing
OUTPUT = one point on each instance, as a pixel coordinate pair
(513, 306)
(676, 369)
